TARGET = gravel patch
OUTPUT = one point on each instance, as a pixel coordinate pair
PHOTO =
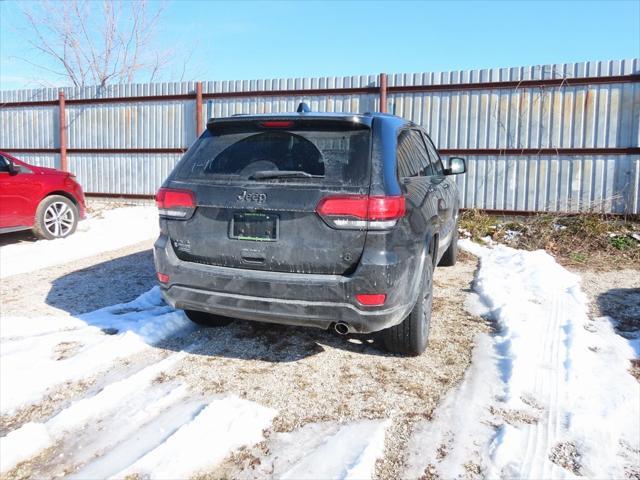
(80, 286)
(616, 294)
(315, 376)
(566, 455)
(308, 375)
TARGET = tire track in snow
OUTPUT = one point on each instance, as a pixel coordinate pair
(548, 367)
(222, 426)
(29, 370)
(137, 418)
(541, 434)
(538, 434)
(321, 450)
(137, 426)
(18, 446)
(133, 446)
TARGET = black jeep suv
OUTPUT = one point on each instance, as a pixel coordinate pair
(310, 219)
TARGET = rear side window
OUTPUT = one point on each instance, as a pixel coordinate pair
(438, 169)
(326, 154)
(413, 160)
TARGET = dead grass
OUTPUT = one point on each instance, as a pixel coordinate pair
(65, 350)
(51, 403)
(584, 240)
(566, 455)
(635, 368)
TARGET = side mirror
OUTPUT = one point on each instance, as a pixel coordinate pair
(13, 170)
(457, 166)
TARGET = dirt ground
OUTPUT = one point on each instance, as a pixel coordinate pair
(307, 375)
(616, 294)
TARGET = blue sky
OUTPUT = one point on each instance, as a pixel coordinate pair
(248, 40)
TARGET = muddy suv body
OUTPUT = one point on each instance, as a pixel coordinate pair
(323, 220)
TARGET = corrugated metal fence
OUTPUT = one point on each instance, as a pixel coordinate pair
(543, 138)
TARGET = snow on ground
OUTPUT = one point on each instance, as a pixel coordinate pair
(38, 354)
(143, 421)
(220, 428)
(549, 395)
(117, 228)
(326, 450)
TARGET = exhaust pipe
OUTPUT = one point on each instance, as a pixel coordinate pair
(341, 328)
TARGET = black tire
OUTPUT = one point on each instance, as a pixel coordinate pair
(451, 255)
(207, 319)
(56, 217)
(411, 337)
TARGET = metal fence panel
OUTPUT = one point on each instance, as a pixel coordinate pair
(226, 107)
(161, 124)
(558, 117)
(594, 116)
(565, 183)
(34, 127)
(124, 174)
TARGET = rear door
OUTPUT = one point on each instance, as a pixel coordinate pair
(414, 169)
(257, 185)
(447, 191)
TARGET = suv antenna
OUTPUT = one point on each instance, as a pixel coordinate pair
(303, 108)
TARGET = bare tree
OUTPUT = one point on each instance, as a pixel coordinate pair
(96, 43)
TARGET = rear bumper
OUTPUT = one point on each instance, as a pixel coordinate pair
(283, 311)
(292, 298)
(78, 194)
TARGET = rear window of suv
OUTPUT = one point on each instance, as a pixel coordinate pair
(313, 152)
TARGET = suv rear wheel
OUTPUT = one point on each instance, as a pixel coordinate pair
(56, 217)
(207, 319)
(451, 255)
(412, 335)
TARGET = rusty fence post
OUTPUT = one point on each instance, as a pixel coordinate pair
(62, 131)
(198, 108)
(383, 92)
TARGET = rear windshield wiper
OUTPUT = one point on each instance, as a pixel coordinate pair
(262, 174)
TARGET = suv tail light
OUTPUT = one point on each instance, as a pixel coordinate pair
(361, 211)
(175, 203)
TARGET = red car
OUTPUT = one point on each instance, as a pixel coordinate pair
(48, 201)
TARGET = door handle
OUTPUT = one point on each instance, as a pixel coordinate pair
(445, 185)
(441, 205)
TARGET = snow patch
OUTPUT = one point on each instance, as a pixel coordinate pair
(148, 317)
(79, 413)
(223, 426)
(118, 228)
(327, 450)
(550, 380)
(22, 444)
(29, 368)
(451, 439)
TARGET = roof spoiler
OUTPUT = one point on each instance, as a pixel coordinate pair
(356, 121)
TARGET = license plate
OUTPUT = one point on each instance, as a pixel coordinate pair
(262, 227)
